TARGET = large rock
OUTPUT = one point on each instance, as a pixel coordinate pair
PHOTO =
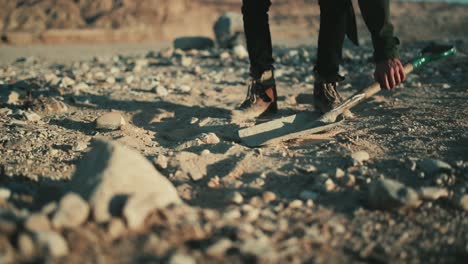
(196, 43)
(229, 30)
(390, 194)
(111, 172)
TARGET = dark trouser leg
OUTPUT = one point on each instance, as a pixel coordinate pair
(258, 37)
(333, 16)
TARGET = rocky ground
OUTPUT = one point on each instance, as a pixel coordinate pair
(136, 159)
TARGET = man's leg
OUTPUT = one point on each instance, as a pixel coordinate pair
(261, 94)
(333, 25)
(257, 33)
(333, 17)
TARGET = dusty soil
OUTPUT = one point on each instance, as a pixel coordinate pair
(426, 118)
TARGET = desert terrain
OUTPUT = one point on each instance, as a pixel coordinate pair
(123, 150)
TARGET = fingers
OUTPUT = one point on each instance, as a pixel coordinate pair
(390, 74)
(386, 83)
(401, 71)
(391, 79)
(397, 76)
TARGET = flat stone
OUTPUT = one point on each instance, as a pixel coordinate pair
(192, 164)
(72, 212)
(339, 173)
(463, 202)
(80, 87)
(26, 245)
(80, 146)
(240, 52)
(262, 248)
(432, 166)
(186, 61)
(13, 97)
(116, 228)
(161, 91)
(236, 197)
(5, 193)
(224, 55)
(52, 78)
(268, 196)
(161, 162)
(184, 88)
(218, 249)
(67, 81)
(111, 172)
(432, 193)
(110, 80)
(308, 195)
(49, 105)
(139, 206)
(51, 243)
(182, 259)
(307, 168)
(296, 204)
(329, 185)
(210, 138)
(31, 116)
(37, 222)
(390, 194)
(196, 43)
(49, 208)
(110, 121)
(360, 157)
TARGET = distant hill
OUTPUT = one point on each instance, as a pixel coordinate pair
(59, 21)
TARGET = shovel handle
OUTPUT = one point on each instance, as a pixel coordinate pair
(375, 87)
(357, 98)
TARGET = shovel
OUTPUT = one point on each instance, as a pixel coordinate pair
(300, 126)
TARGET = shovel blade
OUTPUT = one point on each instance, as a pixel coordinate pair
(283, 129)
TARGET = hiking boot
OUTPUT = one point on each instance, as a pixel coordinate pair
(326, 97)
(261, 98)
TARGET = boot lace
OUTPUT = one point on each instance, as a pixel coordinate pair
(255, 90)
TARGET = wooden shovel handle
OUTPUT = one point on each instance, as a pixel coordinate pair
(357, 98)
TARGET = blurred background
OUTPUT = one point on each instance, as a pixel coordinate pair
(155, 23)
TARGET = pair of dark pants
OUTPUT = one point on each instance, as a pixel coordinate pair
(336, 20)
(334, 23)
(258, 36)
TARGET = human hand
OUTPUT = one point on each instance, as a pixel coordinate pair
(389, 73)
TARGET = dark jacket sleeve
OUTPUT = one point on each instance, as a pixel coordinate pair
(376, 14)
